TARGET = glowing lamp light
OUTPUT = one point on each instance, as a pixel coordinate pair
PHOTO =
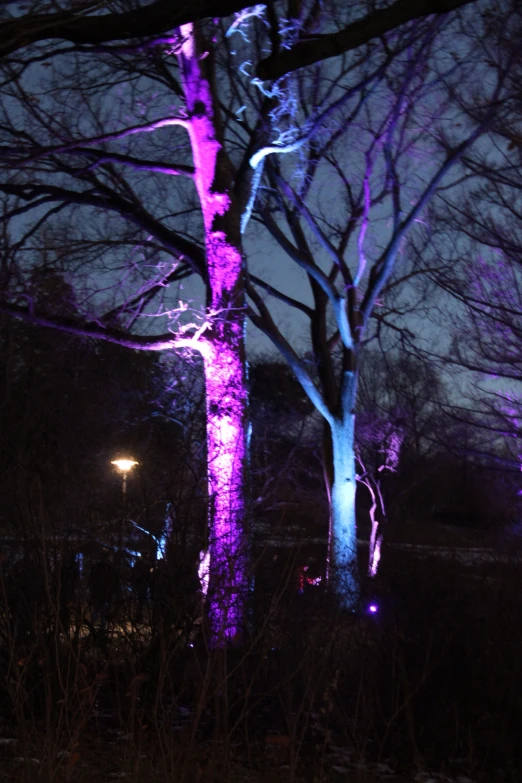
(124, 464)
(373, 608)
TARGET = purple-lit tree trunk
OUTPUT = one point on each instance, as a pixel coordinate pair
(223, 350)
(227, 482)
(372, 484)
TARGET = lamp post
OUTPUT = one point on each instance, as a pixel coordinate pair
(124, 465)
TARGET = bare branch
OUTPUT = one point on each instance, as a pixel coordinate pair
(282, 297)
(181, 247)
(192, 341)
(377, 23)
(132, 130)
(384, 265)
(266, 324)
(151, 19)
(175, 170)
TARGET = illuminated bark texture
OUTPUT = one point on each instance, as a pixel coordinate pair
(224, 350)
(343, 572)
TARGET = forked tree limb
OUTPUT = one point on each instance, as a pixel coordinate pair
(163, 16)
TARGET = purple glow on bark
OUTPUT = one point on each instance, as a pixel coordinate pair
(204, 571)
(373, 608)
(388, 438)
(375, 558)
(225, 266)
(223, 353)
(374, 543)
(201, 127)
(226, 398)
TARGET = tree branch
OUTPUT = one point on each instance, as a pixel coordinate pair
(265, 323)
(100, 157)
(306, 263)
(72, 146)
(151, 19)
(180, 247)
(108, 334)
(162, 16)
(178, 272)
(282, 297)
(385, 264)
(321, 47)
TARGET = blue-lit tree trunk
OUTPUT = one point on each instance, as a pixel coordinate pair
(336, 403)
(342, 543)
(347, 273)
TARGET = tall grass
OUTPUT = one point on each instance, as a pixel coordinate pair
(433, 681)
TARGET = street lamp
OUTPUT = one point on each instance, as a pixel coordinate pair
(124, 465)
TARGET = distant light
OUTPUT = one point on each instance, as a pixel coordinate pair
(373, 608)
(124, 464)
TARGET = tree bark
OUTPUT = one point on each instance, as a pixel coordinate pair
(342, 546)
(224, 351)
(226, 402)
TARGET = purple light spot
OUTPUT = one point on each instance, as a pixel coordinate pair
(373, 608)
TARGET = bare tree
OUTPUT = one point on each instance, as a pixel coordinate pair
(475, 234)
(399, 431)
(486, 353)
(383, 163)
(88, 137)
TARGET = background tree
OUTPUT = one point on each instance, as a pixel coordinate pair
(69, 405)
(475, 234)
(289, 503)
